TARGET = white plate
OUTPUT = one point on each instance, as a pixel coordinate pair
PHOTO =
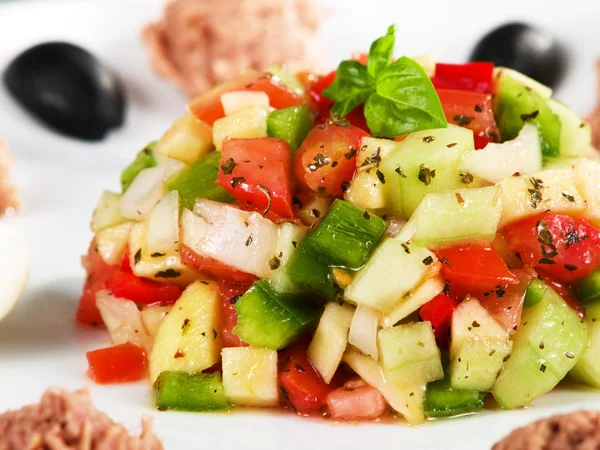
(61, 180)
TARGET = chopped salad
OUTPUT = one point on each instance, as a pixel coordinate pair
(398, 235)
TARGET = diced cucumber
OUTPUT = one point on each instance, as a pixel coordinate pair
(198, 181)
(346, 236)
(288, 79)
(587, 180)
(183, 391)
(363, 331)
(406, 399)
(188, 339)
(290, 124)
(587, 369)
(250, 376)
(249, 123)
(423, 293)
(237, 101)
(478, 347)
(367, 188)
(515, 104)
(425, 163)
(575, 133)
(162, 225)
(111, 242)
(309, 275)
(378, 284)
(330, 339)
(272, 320)
(289, 237)
(559, 163)
(410, 353)
(452, 217)
(499, 161)
(107, 213)
(144, 160)
(549, 190)
(550, 340)
(542, 90)
(442, 400)
(187, 140)
(588, 288)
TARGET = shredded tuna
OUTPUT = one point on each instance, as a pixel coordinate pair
(66, 420)
(594, 118)
(199, 43)
(575, 431)
(8, 193)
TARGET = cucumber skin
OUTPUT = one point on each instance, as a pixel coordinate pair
(441, 400)
(182, 391)
(143, 160)
(587, 369)
(588, 288)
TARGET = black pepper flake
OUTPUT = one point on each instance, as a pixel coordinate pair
(156, 255)
(492, 352)
(459, 198)
(528, 117)
(544, 236)
(320, 160)
(316, 213)
(569, 197)
(185, 326)
(543, 368)
(237, 180)
(169, 273)
(569, 355)
(428, 139)
(274, 263)
(249, 241)
(204, 282)
(399, 171)
(546, 261)
(445, 261)
(295, 244)
(366, 216)
(406, 249)
(372, 160)
(351, 154)
(345, 186)
(466, 178)
(260, 166)
(296, 202)
(381, 176)
(500, 292)
(451, 144)
(478, 108)
(506, 358)
(299, 368)
(571, 237)
(570, 267)
(215, 334)
(334, 164)
(137, 257)
(462, 120)
(541, 346)
(476, 324)
(235, 299)
(427, 261)
(228, 166)
(446, 288)
(203, 334)
(426, 175)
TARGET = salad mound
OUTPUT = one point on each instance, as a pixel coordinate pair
(398, 235)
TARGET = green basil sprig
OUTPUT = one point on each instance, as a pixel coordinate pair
(399, 97)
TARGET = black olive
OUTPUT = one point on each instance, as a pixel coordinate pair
(68, 89)
(529, 50)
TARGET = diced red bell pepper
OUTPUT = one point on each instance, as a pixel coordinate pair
(120, 364)
(474, 77)
(258, 172)
(230, 293)
(474, 269)
(439, 311)
(213, 268)
(301, 385)
(143, 291)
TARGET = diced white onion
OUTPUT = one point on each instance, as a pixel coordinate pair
(146, 191)
(152, 317)
(363, 331)
(111, 242)
(163, 225)
(239, 100)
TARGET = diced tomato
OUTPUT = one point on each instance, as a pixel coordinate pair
(567, 293)
(120, 364)
(475, 77)
(230, 293)
(303, 388)
(556, 245)
(439, 311)
(98, 272)
(326, 159)
(258, 172)
(474, 269)
(471, 110)
(140, 290)
(213, 268)
(356, 401)
(506, 304)
(208, 108)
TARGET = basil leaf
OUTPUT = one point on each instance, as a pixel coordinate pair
(352, 86)
(380, 54)
(405, 101)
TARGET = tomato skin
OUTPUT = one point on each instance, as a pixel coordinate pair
(474, 269)
(143, 291)
(229, 293)
(304, 389)
(280, 96)
(265, 162)
(439, 311)
(576, 244)
(98, 273)
(120, 364)
(471, 110)
(475, 77)
(214, 268)
(326, 158)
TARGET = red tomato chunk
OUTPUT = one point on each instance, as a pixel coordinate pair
(475, 77)
(356, 402)
(230, 293)
(120, 364)
(439, 311)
